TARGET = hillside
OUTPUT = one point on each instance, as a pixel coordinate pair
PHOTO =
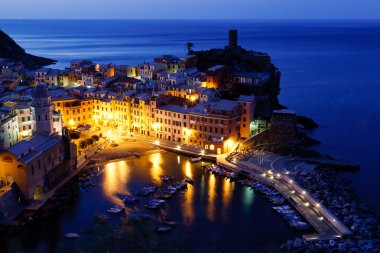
(11, 50)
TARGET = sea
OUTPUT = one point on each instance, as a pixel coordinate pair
(330, 69)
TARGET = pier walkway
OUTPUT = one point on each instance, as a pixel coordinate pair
(325, 223)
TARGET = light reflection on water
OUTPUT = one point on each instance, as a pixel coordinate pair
(156, 170)
(248, 197)
(188, 211)
(211, 198)
(115, 180)
(206, 213)
(227, 191)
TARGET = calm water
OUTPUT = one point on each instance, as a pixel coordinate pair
(330, 70)
(214, 214)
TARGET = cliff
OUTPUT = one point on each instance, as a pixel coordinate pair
(11, 50)
(242, 60)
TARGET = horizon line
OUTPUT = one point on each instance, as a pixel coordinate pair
(200, 19)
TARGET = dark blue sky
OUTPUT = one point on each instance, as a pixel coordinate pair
(190, 9)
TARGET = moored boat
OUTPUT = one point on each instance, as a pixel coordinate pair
(189, 180)
(195, 159)
(163, 229)
(72, 235)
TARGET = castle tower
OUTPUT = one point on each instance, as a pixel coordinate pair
(43, 110)
(232, 39)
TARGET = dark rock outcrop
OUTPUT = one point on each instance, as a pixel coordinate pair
(11, 50)
(306, 122)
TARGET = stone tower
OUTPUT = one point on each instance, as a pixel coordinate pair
(232, 39)
(43, 110)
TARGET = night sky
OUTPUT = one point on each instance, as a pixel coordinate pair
(190, 9)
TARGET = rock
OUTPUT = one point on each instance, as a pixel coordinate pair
(342, 247)
(297, 243)
(11, 50)
(368, 246)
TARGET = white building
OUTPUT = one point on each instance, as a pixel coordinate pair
(9, 129)
(25, 118)
(149, 70)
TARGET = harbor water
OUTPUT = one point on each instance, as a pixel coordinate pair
(213, 215)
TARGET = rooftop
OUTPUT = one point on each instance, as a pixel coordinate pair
(27, 150)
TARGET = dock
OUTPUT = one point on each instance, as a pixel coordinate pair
(324, 223)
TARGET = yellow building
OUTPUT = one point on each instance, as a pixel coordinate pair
(75, 111)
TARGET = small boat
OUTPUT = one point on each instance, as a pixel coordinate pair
(152, 206)
(195, 159)
(163, 229)
(72, 235)
(143, 215)
(189, 180)
(130, 200)
(101, 217)
(163, 196)
(169, 222)
(115, 209)
(170, 191)
(179, 185)
(147, 190)
(159, 201)
(166, 178)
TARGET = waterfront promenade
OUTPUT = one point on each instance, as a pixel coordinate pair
(324, 223)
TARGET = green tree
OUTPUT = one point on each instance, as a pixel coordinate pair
(95, 137)
(74, 135)
(83, 144)
(89, 141)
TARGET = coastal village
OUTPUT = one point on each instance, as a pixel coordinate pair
(195, 105)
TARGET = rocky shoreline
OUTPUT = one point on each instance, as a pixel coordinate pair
(337, 194)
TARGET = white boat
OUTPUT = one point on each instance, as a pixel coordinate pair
(72, 235)
(115, 209)
(195, 159)
(189, 180)
(163, 228)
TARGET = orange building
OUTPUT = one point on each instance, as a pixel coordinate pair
(215, 76)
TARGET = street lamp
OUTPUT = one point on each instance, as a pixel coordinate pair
(72, 123)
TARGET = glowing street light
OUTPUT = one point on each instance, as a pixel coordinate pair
(155, 126)
(72, 123)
